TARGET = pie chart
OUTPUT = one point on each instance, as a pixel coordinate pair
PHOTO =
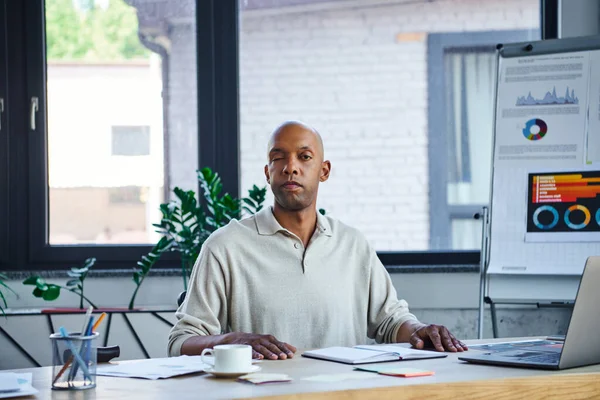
(535, 129)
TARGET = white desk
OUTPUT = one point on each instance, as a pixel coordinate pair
(452, 379)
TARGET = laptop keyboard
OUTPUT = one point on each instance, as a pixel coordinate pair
(545, 358)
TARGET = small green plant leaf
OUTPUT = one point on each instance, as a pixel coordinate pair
(72, 282)
(4, 302)
(32, 280)
(89, 263)
(51, 293)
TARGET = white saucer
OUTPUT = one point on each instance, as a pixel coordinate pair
(218, 374)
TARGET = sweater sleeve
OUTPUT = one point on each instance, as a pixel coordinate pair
(386, 312)
(204, 310)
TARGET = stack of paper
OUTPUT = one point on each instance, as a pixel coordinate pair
(154, 368)
(16, 385)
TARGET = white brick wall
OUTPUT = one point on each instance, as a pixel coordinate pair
(344, 72)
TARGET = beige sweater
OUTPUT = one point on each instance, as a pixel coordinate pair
(255, 276)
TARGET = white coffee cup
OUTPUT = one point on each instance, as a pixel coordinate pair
(229, 357)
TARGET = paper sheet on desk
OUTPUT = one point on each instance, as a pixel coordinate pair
(25, 388)
(154, 368)
(347, 376)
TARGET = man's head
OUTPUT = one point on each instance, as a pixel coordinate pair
(296, 165)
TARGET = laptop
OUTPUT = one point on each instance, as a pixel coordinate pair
(582, 341)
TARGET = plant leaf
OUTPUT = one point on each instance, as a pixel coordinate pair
(52, 293)
(89, 263)
(32, 280)
(72, 282)
(4, 301)
(8, 288)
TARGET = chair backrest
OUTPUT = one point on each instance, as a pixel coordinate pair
(181, 298)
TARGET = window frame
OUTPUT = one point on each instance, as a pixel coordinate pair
(217, 57)
(4, 138)
(549, 18)
(438, 45)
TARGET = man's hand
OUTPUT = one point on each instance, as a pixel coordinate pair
(438, 337)
(263, 346)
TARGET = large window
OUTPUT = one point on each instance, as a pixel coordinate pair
(102, 119)
(107, 125)
(107, 105)
(461, 85)
(358, 72)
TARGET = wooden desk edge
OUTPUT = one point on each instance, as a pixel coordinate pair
(564, 386)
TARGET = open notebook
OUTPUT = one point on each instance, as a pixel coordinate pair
(371, 354)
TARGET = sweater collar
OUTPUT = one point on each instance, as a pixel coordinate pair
(266, 223)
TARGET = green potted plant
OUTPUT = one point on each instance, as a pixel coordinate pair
(4, 286)
(51, 291)
(186, 223)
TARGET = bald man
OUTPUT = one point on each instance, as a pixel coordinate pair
(289, 277)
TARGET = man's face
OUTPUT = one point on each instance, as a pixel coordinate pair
(295, 167)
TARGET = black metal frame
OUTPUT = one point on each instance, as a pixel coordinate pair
(217, 75)
(17, 139)
(24, 238)
(4, 139)
(549, 19)
(110, 313)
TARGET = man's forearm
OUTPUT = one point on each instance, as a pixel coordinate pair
(195, 344)
(407, 329)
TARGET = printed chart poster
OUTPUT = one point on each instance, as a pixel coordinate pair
(541, 111)
(563, 207)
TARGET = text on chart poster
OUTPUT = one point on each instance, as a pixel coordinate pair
(547, 126)
(564, 206)
(593, 139)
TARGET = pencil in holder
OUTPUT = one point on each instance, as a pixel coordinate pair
(73, 361)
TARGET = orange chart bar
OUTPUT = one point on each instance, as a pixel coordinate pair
(564, 188)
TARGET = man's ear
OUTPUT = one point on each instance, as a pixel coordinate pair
(325, 171)
(267, 174)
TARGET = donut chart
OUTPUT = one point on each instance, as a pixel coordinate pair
(536, 217)
(541, 131)
(585, 211)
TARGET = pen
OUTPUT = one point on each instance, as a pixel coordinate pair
(70, 360)
(84, 332)
(74, 352)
